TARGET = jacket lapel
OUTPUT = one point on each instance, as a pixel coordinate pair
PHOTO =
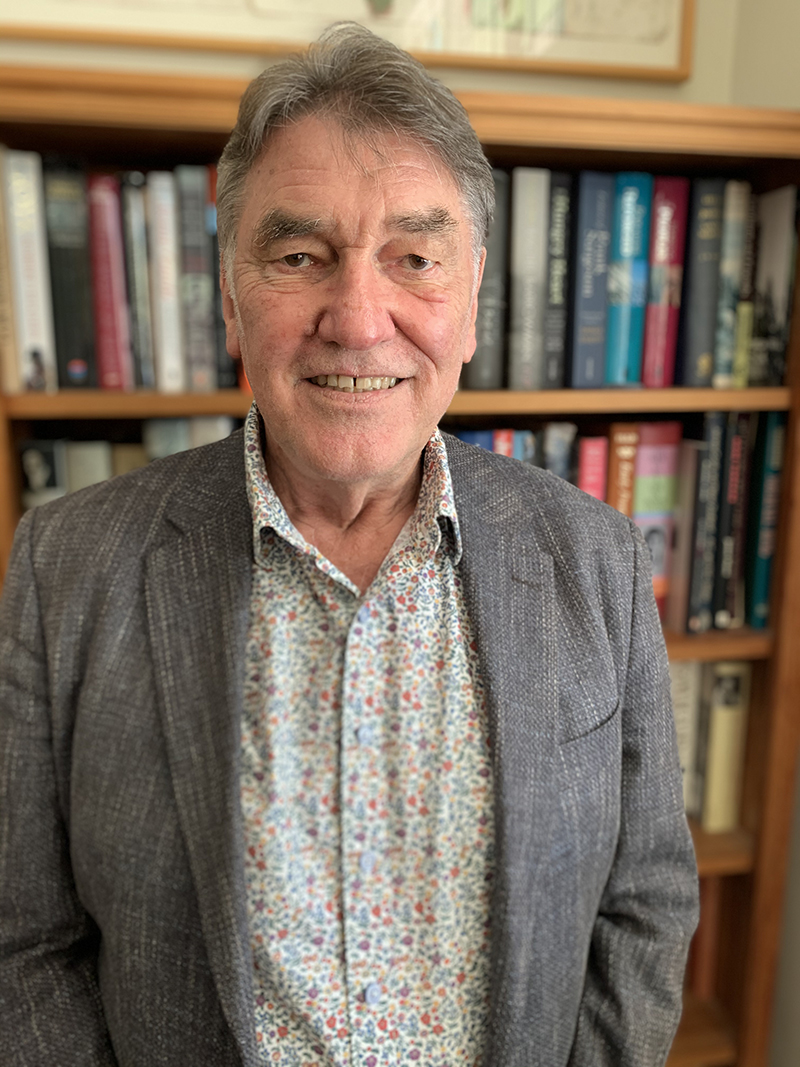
(509, 585)
(198, 590)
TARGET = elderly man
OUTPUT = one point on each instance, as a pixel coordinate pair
(340, 742)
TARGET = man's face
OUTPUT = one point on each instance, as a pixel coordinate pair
(355, 263)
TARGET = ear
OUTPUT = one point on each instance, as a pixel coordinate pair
(229, 313)
(472, 340)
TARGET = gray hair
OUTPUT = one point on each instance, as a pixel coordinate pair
(368, 85)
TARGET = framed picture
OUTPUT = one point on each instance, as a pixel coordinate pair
(616, 38)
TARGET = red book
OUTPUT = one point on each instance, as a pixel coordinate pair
(593, 465)
(503, 442)
(667, 243)
(109, 295)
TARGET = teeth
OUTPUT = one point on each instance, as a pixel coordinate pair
(354, 385)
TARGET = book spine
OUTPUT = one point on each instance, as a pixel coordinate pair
(555, 316)
(697, 333)
(30, 272)
(67, 213)
(197, 284)
(767, 466)
(701, 587)
(134, 225)
(226, 366)
(10, 375)
(627, 278)
(730, 516)
(525, 446)
(623, 442)
(690, 459)
(685, 677)
(667, 245)
(480, 438)
(485, 369)
(727, 732)
(557, 447)
(745, 306)
(593, 466)
(777, 239)
(654, 494)
(503, 442)
(109, 298)
(590, 279)
(734, 226)
(162, 227)
(530, 203)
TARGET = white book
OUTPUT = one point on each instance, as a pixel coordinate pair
(165, 437)
(728, 694)
(23, 193)
(10, 376)
(206, 429)
(686, 679)
(88, 462)
(530, 219)
(162, 227)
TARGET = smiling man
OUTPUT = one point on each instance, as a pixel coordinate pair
(340, 742)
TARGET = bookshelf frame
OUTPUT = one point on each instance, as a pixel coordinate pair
(108, 115)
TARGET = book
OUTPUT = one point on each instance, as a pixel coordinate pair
(127, 457)
(587, 341)
(701, 582)
(691, 457)
(555, 314)
(503, 442)
(727, 692)
(165, 437)
(525, 447)
(777, 241)
(698, 321)
(29, 272)
(137, 277)
(667, 246)
(205, 429)
(485, 369)
(226, 366)
(745, 309)
(44, 471)
(530, 209)
(162, 232)
(557, 442)
(685, 681)
(766, 468)
(654, 492)
(87, 463)
(736, 199)
(109, 294)
(627, 278)
(593, 466)
(196, 278)
(481, 438)
(67, 216)
(10, 370)
(728, 598)
(623, 442)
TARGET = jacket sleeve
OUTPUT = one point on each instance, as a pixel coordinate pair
(632, 996)
(50, 1008)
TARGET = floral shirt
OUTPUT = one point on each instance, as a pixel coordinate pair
(367, 795)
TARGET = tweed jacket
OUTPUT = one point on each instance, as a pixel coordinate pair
(123, 924)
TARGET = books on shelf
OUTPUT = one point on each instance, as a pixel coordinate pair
(109, 293)
(654, 493)
(698, 321)
(735, 208)
(530, 214)
(486, 368)
(589, 288)
(774, 277)
(627, 278)
(667, 245)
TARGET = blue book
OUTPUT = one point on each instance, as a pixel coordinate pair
(765, 493)
(481, 438)
(627, 278)
(587, 347)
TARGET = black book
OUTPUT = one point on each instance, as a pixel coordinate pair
(728, 600)
(137, 277)
(485, 369)
(698, 324)
(555, 315)
(706, 515)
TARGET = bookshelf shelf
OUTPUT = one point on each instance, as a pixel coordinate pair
(705, 1037)
(723, 854)
(719, 644)
(142, 404)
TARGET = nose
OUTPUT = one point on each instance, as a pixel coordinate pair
(356, 313)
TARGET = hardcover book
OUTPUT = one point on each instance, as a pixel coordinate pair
(766, 468)
(745, 309)
(162, 228)
(137, 276)
(555, 316)
(593, 466)
(727, 693)
(109, 295)
(197, 279)
(557, 441)
(623, 442)
(227, 377)
(777, 241)
(667, 245)
(731, 264)
(530, 209)
(654, 494)
(728, 598)
(485, 369)
(698, 322)
(627, 278)
(693, 454)
(87, 463)
(587, 343)
(701, 585)
(10, 369)
(685, 680)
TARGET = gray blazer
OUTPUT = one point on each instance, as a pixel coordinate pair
(123, 927)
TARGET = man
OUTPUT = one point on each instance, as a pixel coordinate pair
(340, 741)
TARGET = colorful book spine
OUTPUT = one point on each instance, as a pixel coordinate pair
(481, 438)
(109, 296)
(745, 308)
(735, 206)
(162, 229)
(525, 446)
(698, 323)
(485, 369)
(29, 270)
(728, 599)
(67, 213)
(587, 344)
(654, 495)
(627, 278)
(623, 443)
(134, 229)
(503, 442)
(701, 585)
(593, 466)
(766, 469)
(530, 209)
(727, 714)
(197, 279)
(555, 315)
(667, 246)
(777, 241)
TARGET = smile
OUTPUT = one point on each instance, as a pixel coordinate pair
(345, 384)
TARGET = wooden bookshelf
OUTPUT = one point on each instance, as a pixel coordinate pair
(705, 1037)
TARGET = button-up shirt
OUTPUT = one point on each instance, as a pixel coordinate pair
(367, 794)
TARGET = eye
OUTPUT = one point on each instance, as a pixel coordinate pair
(419, 263)
(297, 259)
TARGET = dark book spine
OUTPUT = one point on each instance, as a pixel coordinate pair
(67, 215)
(767, 465)
(485, 369)
(590, 279)
(730, 501)
(227, 377)
(698, 325)
(555, 314)
(137, 273)
(197, 282)
(701, 583)
(774, 284)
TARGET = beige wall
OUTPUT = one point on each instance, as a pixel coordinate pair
(766, 69)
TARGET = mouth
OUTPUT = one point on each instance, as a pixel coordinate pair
(343, 383)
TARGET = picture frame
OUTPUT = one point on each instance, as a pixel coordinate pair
(646, 39)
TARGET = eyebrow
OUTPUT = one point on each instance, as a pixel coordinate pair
(436, 220)
(280, 225)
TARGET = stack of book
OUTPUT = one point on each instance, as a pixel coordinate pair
(707, 506)
(109, 280)
(600, 280)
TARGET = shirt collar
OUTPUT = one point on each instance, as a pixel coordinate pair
(435, 508)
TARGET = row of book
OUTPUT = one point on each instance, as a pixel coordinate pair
(53, 467)
(711, 703)
(108, 280)
(627, 279)
(707, 505)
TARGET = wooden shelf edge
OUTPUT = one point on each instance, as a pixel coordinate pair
(107, 404)
(705, 1037)
(736, 644)
(723, 854)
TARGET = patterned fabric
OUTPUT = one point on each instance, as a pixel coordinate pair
(366, 794)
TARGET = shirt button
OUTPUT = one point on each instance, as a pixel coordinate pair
(367, 861)
(372, 993)
(365, 734)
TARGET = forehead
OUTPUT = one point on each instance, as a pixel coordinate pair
(314, 163)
